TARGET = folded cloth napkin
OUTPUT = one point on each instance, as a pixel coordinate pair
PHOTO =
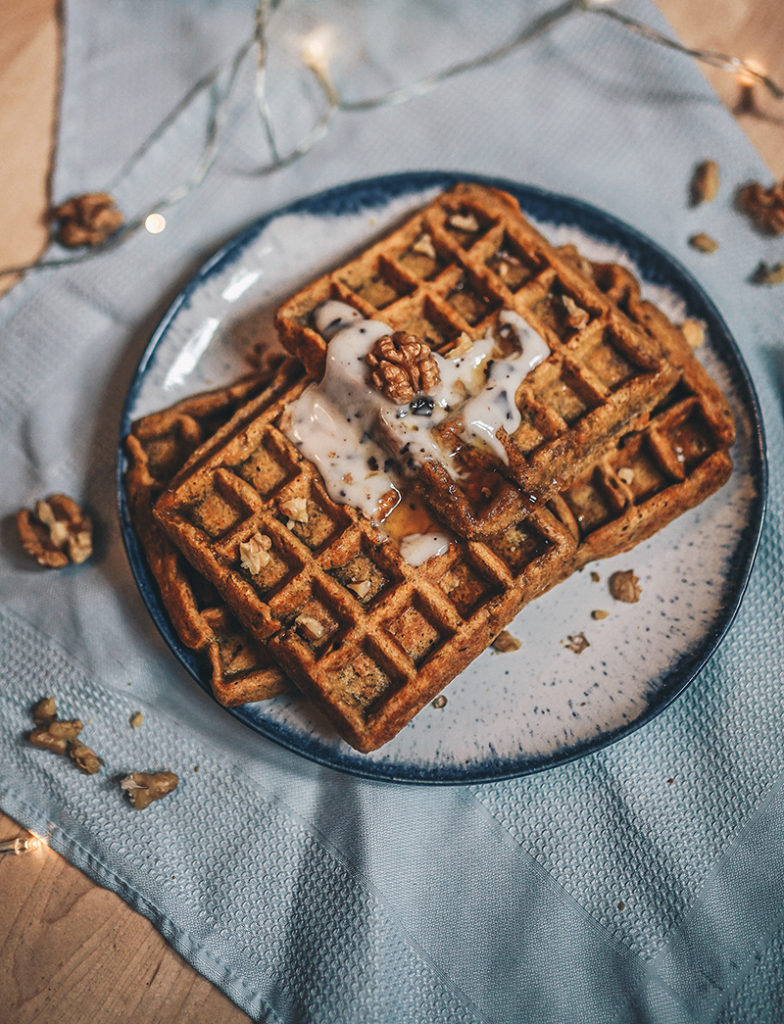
(595, 891)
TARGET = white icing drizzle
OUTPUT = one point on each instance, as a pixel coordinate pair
(494, 405)
(417, 548)
(363, 443)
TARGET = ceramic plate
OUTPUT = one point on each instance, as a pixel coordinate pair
(515, 713)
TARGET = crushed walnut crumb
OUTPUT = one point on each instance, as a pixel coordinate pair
(576, 642)
(626, 475)
(693, 331)
(255, 552)
(599, 614)
(424, 246)
(56, 533)
(361, 588)
(705, 182)
(505, 642)
(625, 586)
(703, 242)
(136, 720)
(310, 627)
(576, 316)
(464, 222)
(765, 274)
(439, 702)
(595, 577)
(461, 347)
(296, 509)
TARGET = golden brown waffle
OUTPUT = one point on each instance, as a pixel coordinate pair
(157, 448)
(447, 274)
(368, 637)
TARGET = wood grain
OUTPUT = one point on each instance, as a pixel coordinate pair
(70, 951)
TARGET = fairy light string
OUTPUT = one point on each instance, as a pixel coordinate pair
(315, 51)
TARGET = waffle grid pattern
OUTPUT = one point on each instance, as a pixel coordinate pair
(157, 448)
(370, 637)
(446, 274)
(367, 636)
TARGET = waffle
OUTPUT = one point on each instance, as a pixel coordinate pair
(241, 670)
(445, 275)
(368, 637)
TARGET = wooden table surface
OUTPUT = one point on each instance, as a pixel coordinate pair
(71, 952)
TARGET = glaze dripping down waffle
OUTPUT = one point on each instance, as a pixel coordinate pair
(446, 275)
(158, 446)
(368, 637)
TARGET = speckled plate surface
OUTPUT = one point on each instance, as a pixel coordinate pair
(507, 714)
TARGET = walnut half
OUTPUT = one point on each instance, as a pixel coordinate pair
(401, 366)
(88, 219)
(58, 532)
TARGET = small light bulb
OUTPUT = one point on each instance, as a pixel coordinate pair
(155, 223)
(317, 46)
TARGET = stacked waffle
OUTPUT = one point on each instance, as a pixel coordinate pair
(617, 431)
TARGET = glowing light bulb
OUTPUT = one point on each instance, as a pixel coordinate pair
(22, 844)
(155, 223)
(317, 47)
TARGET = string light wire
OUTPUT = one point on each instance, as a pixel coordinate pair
(316, 60)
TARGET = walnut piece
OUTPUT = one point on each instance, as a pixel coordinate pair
(45, 711)
(765, 206)
(402, 366)
(703, 242)
(464, 222)
(625, 586)
(66, 729)
(143, 788)
(311, 627)
(86, 760)
(87, 219)
(705, 182)
(765, 274)
(461, 347)
(58, 532)
(41, 737)
(295, 508)
(576, 316)
(693, 331)
(626, 475)
(576, 642)
(254, 552)
(599, 614)
(361, 588)
(136, 720)
(424, 246)
(505, 642)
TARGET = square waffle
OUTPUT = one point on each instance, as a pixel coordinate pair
(445, 276)
(157, 448)
(368, 637)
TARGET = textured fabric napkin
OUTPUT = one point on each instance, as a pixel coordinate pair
(592, 892)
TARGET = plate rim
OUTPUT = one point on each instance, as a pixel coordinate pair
(604, 226)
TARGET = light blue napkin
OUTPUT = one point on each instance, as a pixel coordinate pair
(592, 892)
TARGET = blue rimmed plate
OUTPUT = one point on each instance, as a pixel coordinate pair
(520, 712)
